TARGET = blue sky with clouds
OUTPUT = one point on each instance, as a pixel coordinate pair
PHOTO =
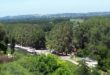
(21, 7)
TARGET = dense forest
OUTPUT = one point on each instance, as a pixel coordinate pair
(90, 37)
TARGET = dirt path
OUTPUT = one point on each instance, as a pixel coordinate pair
(89, 62)
(69, 59)
(5, 59)
(32, 50)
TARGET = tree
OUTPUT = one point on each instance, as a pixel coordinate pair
(6, 41)
(12, 45)
(3, 42)
(95, 71)
(2, 33)
(3, 47)
(60, 38)
(83, 69)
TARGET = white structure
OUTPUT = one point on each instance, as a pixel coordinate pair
(90, 63)
(32, 50)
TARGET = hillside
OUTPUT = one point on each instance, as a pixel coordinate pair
(36, 17)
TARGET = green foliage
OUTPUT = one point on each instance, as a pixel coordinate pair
(94, 31)
(93, 38)
(3, 40)
(2, 33)
(103, 55)
(13, 69)
(95, 72)
(12, 45)
(38, 65)
(27, 34)
(47, 65)
(83, 69)
(60, 38)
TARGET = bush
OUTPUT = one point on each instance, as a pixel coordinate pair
(38, 65)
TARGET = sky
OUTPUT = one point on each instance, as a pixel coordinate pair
(25, 7)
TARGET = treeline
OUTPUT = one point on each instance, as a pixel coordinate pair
(31, 20)
(28, 34)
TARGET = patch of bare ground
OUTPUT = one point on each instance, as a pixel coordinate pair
(5, 59)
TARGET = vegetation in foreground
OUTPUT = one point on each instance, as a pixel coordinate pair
(43, 65)
(37, 65)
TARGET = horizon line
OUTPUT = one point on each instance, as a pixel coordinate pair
(57, 13)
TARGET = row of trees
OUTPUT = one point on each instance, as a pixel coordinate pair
(27, 35)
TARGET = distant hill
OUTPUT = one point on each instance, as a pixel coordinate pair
(50, 16)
